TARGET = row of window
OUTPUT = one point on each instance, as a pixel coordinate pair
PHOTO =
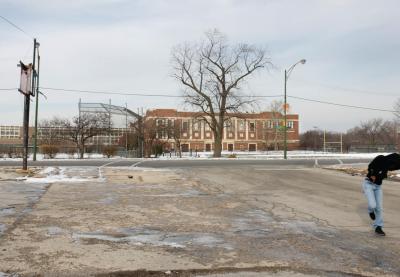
(10, 131)
(229, 125)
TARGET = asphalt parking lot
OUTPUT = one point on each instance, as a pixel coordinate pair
(254, 220)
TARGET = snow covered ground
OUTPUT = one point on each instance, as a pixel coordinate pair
(50, 175)
(226, 154)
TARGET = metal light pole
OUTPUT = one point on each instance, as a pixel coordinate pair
(37, 104)
(287, 74)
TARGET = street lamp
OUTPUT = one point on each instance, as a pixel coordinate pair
(36, 75)
(287, 74)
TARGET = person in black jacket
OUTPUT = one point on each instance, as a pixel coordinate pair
(372, 186)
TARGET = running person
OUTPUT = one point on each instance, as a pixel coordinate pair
(372, 186)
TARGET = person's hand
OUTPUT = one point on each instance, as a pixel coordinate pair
(373, 178)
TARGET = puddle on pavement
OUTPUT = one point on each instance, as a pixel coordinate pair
(55, 231)
(18, 198)
(7, 211)
(254, 223)
(140, 236)
(2, 228)
(109, 200)
(259, 224)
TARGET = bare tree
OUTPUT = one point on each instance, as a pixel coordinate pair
(82, 128)
(211, 73)
(173, 130)
(397, 110)
(373, 132)
(276, 108)
(149, 136)
(51, 131)
(311, 139)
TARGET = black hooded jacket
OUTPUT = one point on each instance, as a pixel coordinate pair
(381, 165)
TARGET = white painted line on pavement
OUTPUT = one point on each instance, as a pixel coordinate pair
(340, 161)
(316, 163)
(136, 164)
(280, 169)
(109, 163)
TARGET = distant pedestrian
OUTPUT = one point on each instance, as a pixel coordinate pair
(372, 186)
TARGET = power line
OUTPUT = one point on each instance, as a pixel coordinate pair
(133, 94)
(109, 92)
(181, 96)
(341, 105)
(15, 26)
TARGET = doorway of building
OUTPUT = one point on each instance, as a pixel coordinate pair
(252, 147)
(230, 147)
(208, 147)
(185, 147)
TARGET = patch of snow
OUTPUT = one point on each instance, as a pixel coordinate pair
(53, 178)
(2, 274)
(54, 231)
(47, 170)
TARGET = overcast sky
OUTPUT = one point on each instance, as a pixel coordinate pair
(352, 48)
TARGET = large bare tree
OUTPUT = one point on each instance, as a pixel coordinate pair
(211, 73)
(84, 127)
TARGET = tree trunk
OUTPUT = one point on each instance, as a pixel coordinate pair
(82, 150)
(178, 146)
(217, 145)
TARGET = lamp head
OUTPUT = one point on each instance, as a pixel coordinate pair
(303, 61)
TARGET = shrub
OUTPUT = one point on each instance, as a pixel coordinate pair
(109, 150)
(49, 151)
(232, 156)
(71, 151)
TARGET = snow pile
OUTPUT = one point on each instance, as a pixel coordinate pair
(53, 175)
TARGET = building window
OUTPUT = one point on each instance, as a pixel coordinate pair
(269, 124)
(185, 126)
(196, 125)
(289, 124)
(241, 125)
(9, 131)
(160, 122)
(230, 127)
(252, 126)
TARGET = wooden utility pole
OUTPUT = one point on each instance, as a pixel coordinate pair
(31, 71)
(26, 132)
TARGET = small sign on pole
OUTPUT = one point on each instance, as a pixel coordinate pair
(25, 85)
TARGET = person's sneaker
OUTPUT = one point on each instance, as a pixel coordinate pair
(372, 215)
(379, 231)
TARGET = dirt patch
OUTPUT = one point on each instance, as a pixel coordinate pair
(357, 171)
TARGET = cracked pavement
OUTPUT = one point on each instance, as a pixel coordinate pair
(305, 221)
